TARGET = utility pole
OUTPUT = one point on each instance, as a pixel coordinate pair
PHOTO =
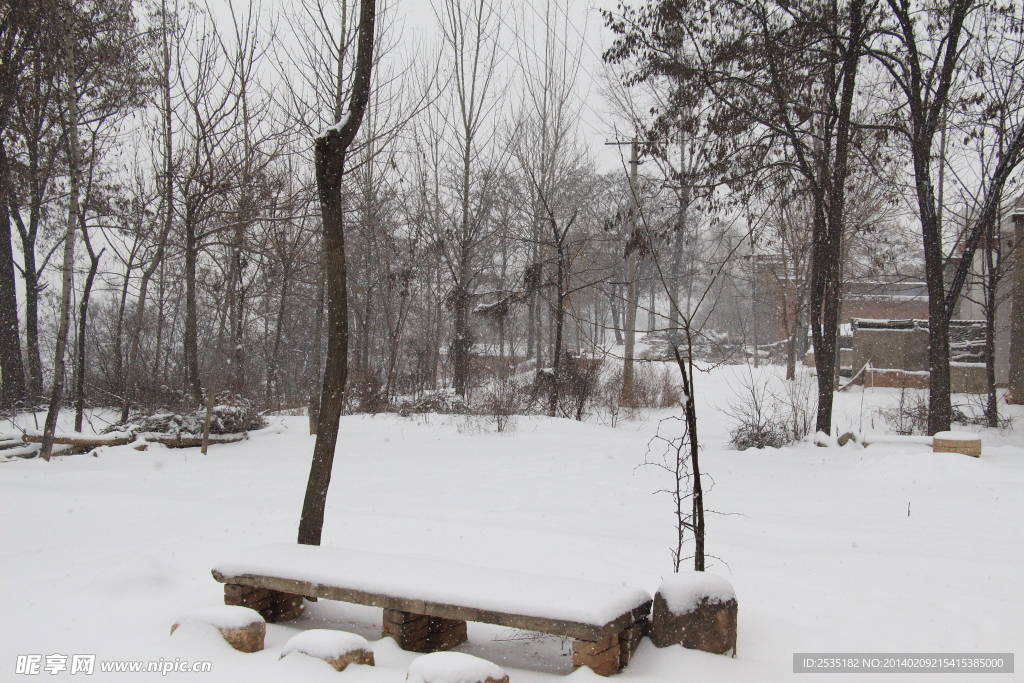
(631, 262)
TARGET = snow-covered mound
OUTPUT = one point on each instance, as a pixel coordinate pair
(453, 667)
(325, 643)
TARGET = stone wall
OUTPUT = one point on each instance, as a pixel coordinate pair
(887, 348)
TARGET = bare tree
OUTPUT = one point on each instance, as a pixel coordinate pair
(22, 34)
(925, 57)
(330, 148)
(470, 32)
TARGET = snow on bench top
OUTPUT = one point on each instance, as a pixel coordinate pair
(452, 667)
(684, 591)
(325, 643)
(958, 436)
(448, 583)
(871, 438)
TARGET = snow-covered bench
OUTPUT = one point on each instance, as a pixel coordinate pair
(428, 602)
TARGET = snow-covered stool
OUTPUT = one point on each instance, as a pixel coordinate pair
(337, 648)
(967, 443)
(454, 667)
(696, 610)
(427, 602)
(243, 628)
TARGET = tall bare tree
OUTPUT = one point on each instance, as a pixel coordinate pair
(926, 59)
(330, 149)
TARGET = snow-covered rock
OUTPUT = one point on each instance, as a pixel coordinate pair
(684, 592)
(697, 610)
(337, 648)
(454, 667)
(243, 628)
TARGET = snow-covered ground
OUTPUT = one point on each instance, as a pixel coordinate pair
(889, 548)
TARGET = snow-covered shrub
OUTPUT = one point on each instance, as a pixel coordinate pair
(757, 434)
(444, 402)
(366, 393)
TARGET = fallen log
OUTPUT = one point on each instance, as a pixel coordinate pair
(87, 440)
(121, 439)
(190, 441)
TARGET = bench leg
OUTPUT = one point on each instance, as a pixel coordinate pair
(272, 605)
(604, 657)
(629, 639)
(420, 633)
(445, 633)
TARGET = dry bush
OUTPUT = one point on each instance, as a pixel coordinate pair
(909, 415)
(501, 401)
(975, 412)
(771, 412)
(655, 385)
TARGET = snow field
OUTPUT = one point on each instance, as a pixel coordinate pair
(101, 554)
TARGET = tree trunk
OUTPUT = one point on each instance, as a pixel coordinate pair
(57, 390)
(83, 317)
(830, 220)
(1015, 394)
(629, 315)
(316, 360)
(690, 413)
(32, 288)
(330, 150)
(12, 371)
(273, 383)
(191, 315)
(556, 359)
(133, 370)
(461, 341)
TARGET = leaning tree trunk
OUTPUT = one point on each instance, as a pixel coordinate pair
(330, 149)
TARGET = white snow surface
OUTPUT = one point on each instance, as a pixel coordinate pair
(101, 554)
(872, 438)
(452, 667)
(324, 643)
(451, 583)
(223, 616)
(684, 591)
(958, 436)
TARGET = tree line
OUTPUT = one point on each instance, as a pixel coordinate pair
(166, 238)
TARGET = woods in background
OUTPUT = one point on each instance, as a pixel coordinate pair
(161, 230)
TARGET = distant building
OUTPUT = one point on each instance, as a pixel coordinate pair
(972, 302)
(899, 298)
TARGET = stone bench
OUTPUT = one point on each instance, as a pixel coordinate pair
(428, 602)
